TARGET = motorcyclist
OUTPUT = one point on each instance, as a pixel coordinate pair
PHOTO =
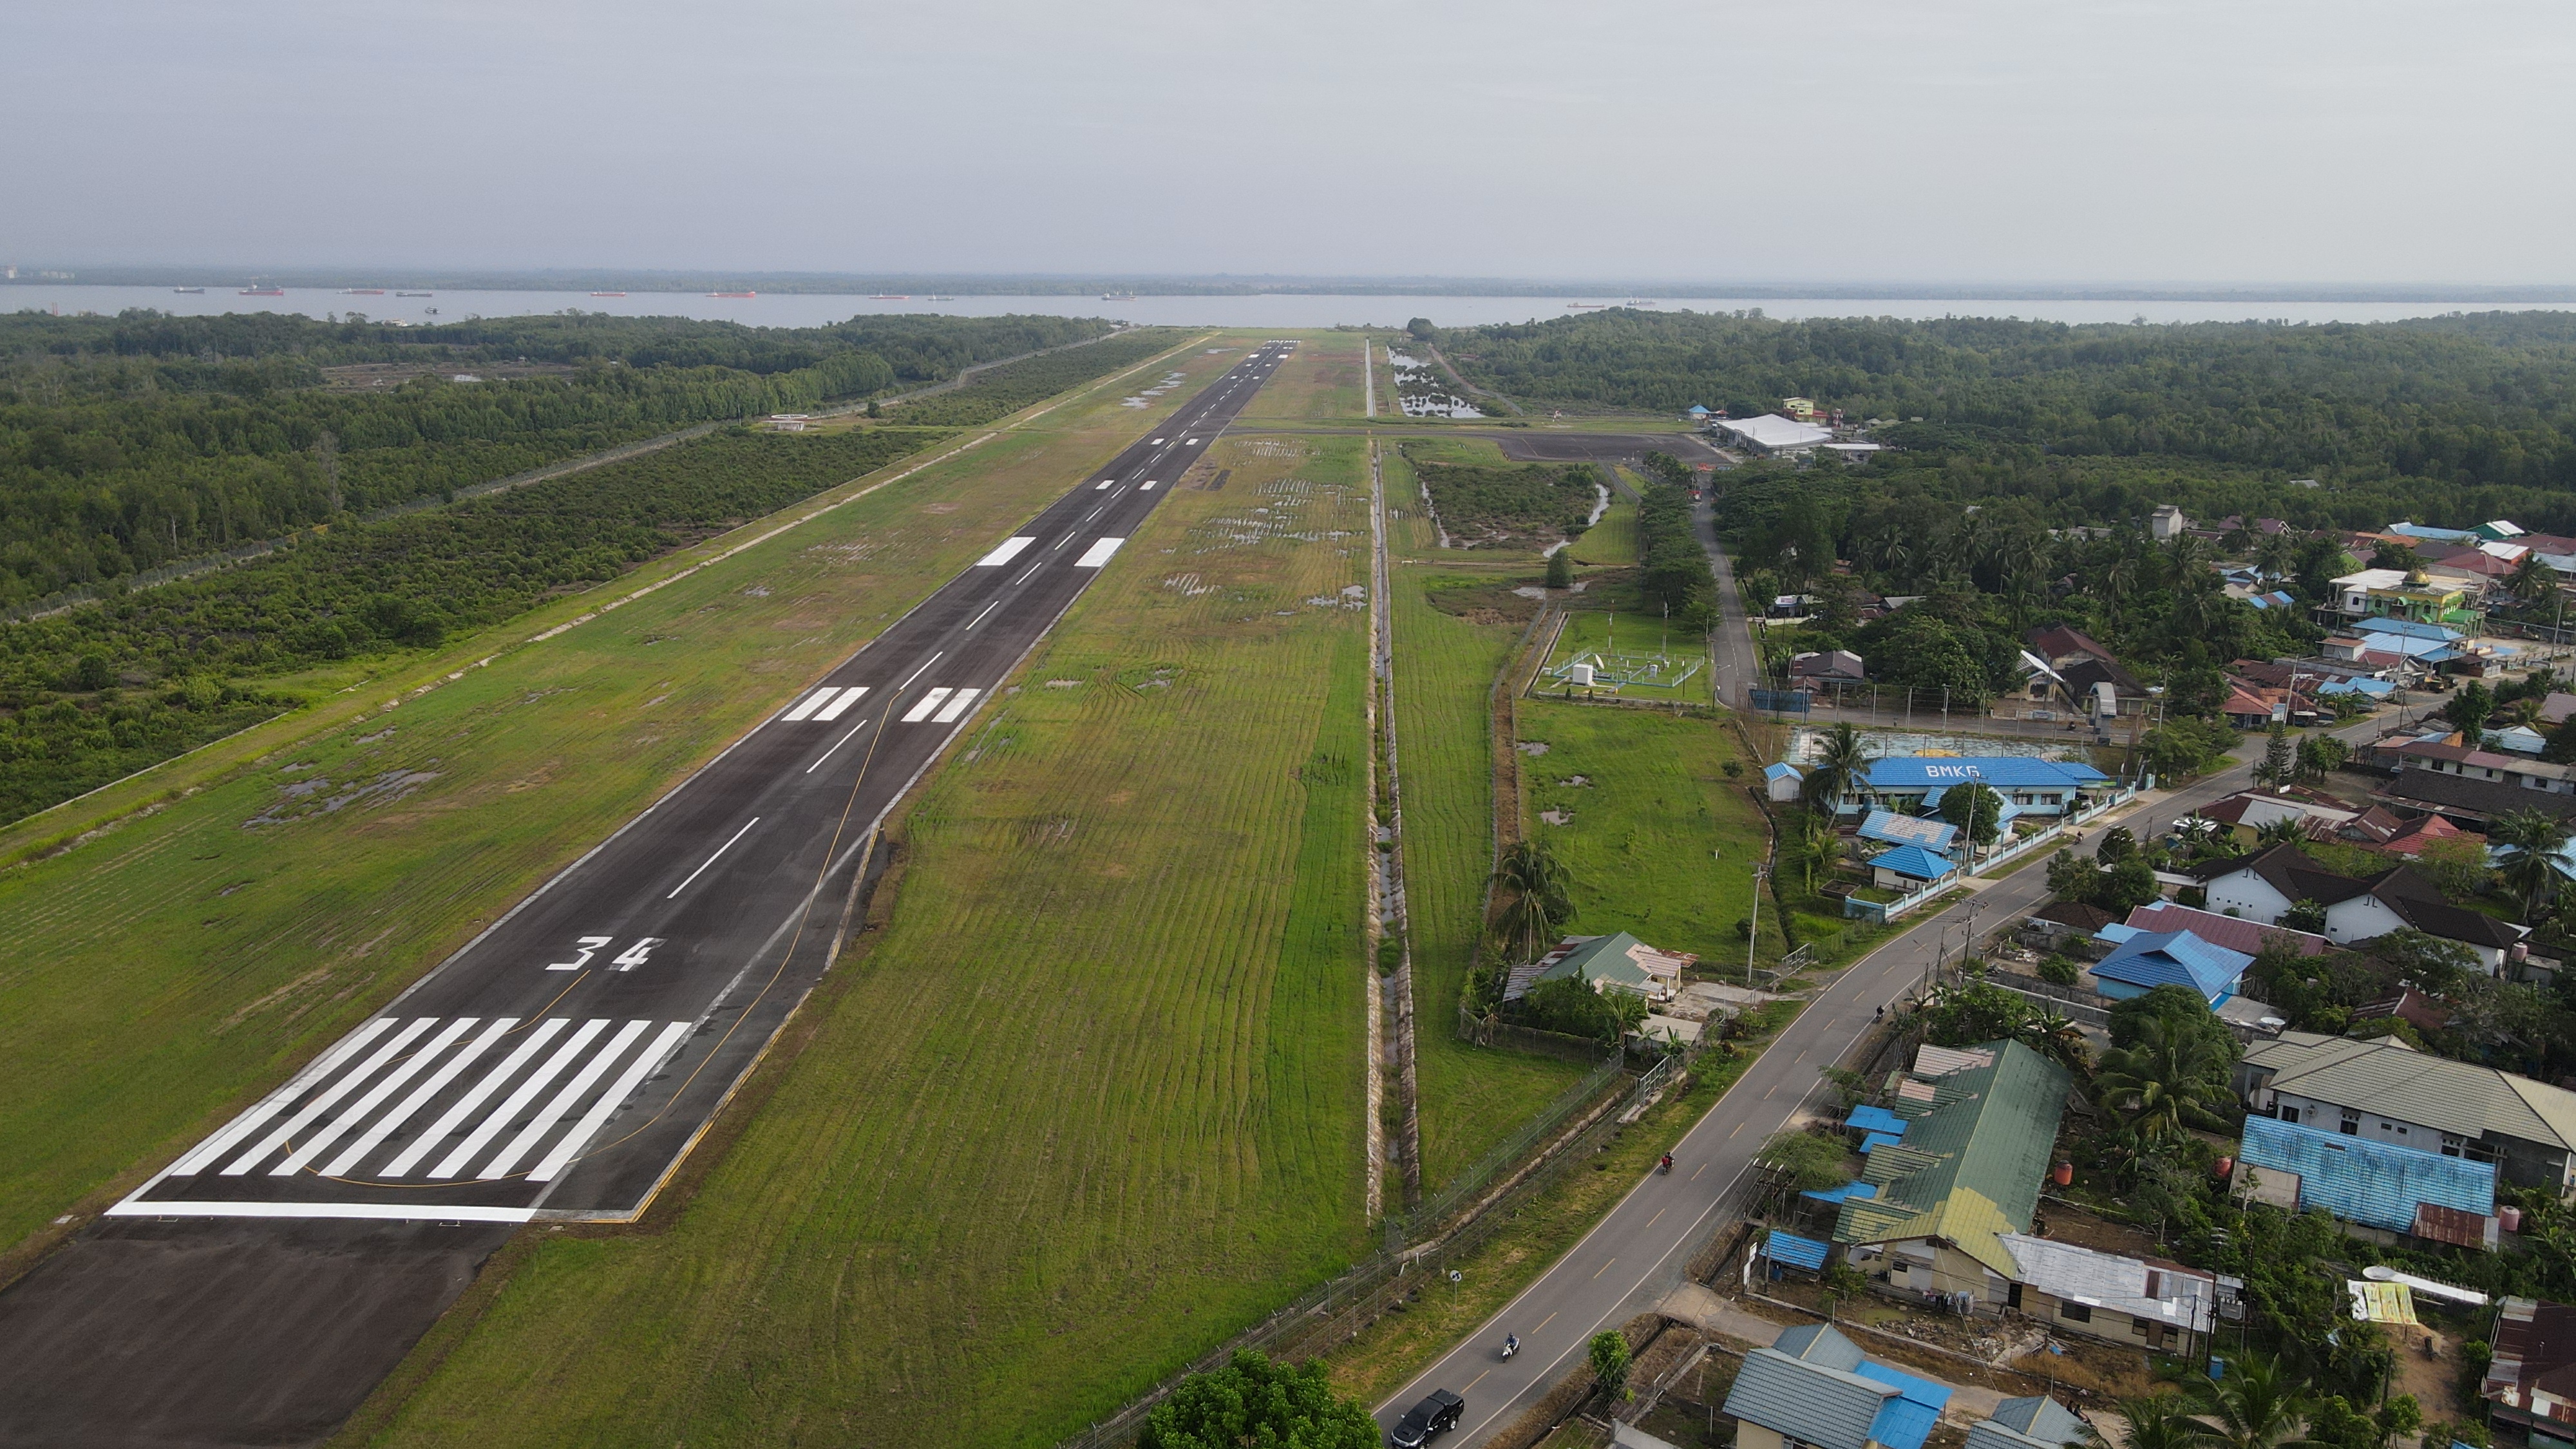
(1511, 1344)
(1667, 1163)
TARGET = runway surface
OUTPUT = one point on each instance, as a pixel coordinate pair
(561, 1065)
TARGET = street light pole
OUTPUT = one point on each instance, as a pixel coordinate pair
(1753, 936)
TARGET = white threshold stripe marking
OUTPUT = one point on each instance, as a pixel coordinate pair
(1098, 554)
(248, 1122)
(464, 1108)
(929, 702)
(552, 1114)
(609, 1101)
(836, 747)
(356, 1077)
(1009, 550)
(925, 664)
(841, 706)
(1145, 487)
(808, 704)
(415, 1213)
(390, 1083)
(499, 1117)
(1103, 483)
(956, 706)
(979, 618)
(712, 859)
(392, 1121)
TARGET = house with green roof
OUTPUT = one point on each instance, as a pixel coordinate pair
(1616, 962)
(1980, 1137)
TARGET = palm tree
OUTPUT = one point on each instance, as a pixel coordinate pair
(1838, 767)
(2288, 830)
(1811, 842)
(2165, 1081)
(1539, 907)
(2258, 1405)
(2049, 1033)
(2158, 1421)
(2531, 872)
(2531, 580)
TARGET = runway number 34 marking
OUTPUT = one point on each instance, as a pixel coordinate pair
(626, 960)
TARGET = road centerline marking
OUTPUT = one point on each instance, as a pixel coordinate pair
(712, 859)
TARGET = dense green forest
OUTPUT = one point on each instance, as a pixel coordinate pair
(93, 692)
(133, 441)
(2448, 420)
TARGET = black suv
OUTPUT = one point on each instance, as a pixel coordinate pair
(1437, 1414)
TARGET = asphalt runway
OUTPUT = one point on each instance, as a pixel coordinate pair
(561, 1065)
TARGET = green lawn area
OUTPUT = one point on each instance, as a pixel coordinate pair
(1323, 378)
(1612, 541)
(175, 964)
(1635, 641)
(1093, 1100)
(1639, 833)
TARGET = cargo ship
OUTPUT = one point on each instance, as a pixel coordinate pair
(1117, 296)
(362, 291)
(608, 294)
(733, 294)
(938, 297)
(263, 291)
(415, 294)
(189, 291)
(890, 297)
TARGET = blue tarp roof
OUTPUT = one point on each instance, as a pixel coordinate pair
(2175, 958)
(1871, 1142)
(1849, 1189)
(2012, 772)
(1906, 1419)
(2366, 1181)
(2408, 627)
(1875, 1119)
(1914, 862)
(2276, 599)
(1895, 829)
(1795, 1251)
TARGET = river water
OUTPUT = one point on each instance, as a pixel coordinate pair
(1282, 310)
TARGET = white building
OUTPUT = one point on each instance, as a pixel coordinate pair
(1772, 434)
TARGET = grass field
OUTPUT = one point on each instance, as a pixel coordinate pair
(1637, 639)
(1639, 833)
(178, 963)
(1612, 541)
(1321, 379)
(1093, 1100)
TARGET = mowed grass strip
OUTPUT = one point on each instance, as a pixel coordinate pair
(1612, 541)
(165, 973)
(1323, 378)
(1095, 1097)
(1659, 840)
(1470, 1097)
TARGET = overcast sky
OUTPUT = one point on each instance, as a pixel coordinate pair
(2343, 141)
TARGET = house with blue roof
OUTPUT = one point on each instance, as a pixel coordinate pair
(1782, 781)
(2149, 959)
(2031, 1423)
(1889, 828)
(1814, 1387)
(2426, 533)
(1909, 868)
(1911, 783)
(2407, 628)
(2363, 1180)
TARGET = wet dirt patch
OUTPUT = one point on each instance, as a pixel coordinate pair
(1532, 747)
(306, 798)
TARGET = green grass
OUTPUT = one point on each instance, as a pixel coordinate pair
(176, 964)
(1323, 378)
(1639, 636)
(1095, 1099)
(1612, 541)
(1470, 1097)
(1639, 836)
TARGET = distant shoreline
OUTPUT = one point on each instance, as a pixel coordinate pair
(808, 283)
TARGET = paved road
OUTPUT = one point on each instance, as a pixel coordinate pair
(1636, 1255)
(564, 1062)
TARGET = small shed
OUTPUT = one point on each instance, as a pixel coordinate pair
(1782, 781)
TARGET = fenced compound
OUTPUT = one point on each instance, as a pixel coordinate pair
(1601, 669)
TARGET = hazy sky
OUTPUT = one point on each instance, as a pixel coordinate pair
(2345, 140)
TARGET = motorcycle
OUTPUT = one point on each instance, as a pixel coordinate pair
(1666, 1165)
(1511, 1345)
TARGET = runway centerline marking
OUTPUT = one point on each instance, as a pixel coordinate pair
(1024, 578)
(925, 664)
(979, 618)
(710, 860)
(836, 745)
(1068, 538)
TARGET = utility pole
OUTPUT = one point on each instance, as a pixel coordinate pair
(1754, 936)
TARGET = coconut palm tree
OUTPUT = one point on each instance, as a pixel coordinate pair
(1838, 767)
(2157, 1421)
(2049, 1033)
(2288, 830)
(1539, 906)
(2165, 1081)
(2534, 838)
(1810, 841)
(2258, 1405)
(2531, 580)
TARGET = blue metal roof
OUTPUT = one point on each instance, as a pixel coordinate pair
(1895, 829)
(2408, 627)
(2367, 1181)
(2276, 599)
(1873, 1141)
(1875, 1119)
(1795, 1251)
(2010, 772)
(2374, 688)
(1849, 1189)
(2442, 535)
(1916, 863)
(1781, 770)
(2175, 958)
(1906, 1419)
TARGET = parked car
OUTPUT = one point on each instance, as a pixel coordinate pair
(1436, 1415)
